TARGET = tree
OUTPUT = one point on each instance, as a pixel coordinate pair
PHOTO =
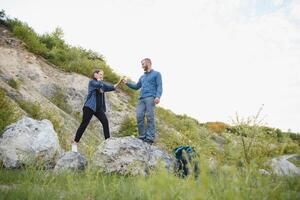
(2, 17)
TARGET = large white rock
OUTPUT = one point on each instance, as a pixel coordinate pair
(282, 167)
(128, 155)
(29, 140)
(71, 160)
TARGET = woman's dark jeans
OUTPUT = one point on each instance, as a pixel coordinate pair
(86, 118)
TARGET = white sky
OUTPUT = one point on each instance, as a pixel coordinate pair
(216, 57)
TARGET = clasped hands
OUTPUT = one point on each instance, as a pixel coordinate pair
(124, 80)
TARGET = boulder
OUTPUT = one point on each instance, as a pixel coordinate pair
(29, 140)
(282, 167)
(129, 155)
(71, 160)
(219, 141)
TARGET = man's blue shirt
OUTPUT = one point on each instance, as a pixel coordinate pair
(150, 84)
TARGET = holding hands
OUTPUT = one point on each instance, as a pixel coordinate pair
(122, 80)
(118, 83)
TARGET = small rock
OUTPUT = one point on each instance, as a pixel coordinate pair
(263, 172)
(218, 140)
(71, 160)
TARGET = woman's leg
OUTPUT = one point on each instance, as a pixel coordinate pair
(103, 119)
(86, 118)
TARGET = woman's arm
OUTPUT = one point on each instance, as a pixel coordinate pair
(118, 83)
(108, 87)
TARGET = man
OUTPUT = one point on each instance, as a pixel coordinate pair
(151, 90)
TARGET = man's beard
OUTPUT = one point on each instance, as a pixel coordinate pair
(146, 68)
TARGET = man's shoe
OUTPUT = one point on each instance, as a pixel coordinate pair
(141, 137)
(148, 141)
(74, 147)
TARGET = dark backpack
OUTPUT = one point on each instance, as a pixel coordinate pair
(186, 162)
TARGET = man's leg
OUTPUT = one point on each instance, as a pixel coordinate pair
(86, 118)
(150, 107)
(103, 119)
(140, 115)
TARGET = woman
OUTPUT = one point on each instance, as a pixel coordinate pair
(95, 105)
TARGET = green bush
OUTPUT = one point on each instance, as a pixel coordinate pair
(2, 17)
(294, 136)
(23, 32)
(60, 100)
(6, 112)
(14, 83)
(216, 127)
(33, 109)
(128, 127)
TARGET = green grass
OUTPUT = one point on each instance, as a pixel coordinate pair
(224, 183)
(7, 112)
(60, 99)
(14, 83)
(128, 127)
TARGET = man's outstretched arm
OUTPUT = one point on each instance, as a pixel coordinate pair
(136, 86)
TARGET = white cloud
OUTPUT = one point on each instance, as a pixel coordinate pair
(278, 2)
(295, 12)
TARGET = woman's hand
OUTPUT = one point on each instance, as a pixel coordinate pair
(118, 83)
(124, 80)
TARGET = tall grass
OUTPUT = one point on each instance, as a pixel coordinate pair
(224, 183)
(7, 114)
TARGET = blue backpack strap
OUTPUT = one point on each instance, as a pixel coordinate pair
(178, 150)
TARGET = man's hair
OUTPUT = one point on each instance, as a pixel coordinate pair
(148, 60)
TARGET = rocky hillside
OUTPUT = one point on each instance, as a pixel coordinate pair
(29, 79)
(33, 86)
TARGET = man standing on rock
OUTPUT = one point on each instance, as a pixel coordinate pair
(150, 84)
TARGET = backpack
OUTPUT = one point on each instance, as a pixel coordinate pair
(186, 162)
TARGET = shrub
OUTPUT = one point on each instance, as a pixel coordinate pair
(2, 17)
(6, 112)
(128, 127)
(14, 83)
(294, 136)
(60, 100)
(28, 36)
(216, 127)
(33, 109)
